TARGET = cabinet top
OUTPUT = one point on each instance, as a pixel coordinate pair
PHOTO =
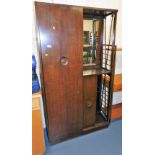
(84, 7)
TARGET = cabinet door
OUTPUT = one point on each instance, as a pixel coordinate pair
(89, 99)
(60, 43)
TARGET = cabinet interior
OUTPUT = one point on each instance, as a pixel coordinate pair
(98, 55)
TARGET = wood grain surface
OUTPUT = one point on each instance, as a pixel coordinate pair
(60, 37)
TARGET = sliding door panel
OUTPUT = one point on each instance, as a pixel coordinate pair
(60, 44)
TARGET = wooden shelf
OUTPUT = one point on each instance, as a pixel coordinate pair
(99, 124)
(91, 72)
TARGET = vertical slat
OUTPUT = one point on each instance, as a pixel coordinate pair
(112, 67)
(99, 63)
(100, 41)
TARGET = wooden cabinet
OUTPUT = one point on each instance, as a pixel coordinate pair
(70, 96)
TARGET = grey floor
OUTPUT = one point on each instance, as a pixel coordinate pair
(103, 142)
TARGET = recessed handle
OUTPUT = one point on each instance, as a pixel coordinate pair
(64, 61)
(89, 104)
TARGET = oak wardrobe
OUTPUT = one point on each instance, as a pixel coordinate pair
(77, 58)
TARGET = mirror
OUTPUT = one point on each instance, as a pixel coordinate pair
(90, 41)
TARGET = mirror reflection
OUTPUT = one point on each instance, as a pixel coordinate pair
(90, 41)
